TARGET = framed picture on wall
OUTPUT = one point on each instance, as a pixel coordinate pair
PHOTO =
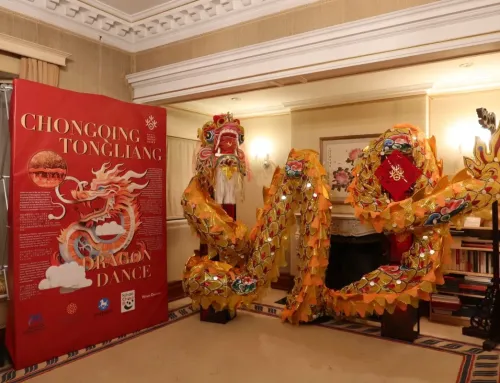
(338, 155)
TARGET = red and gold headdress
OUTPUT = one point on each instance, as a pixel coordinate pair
(221, 150)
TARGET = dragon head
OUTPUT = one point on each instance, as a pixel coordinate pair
(109, 193)
(221, 155)
(396, 166)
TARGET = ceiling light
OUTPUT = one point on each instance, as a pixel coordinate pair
(466, 65)
(235, 99)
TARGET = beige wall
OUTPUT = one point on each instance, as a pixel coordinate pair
(318, 15)
(276, 131)
(184, 124)
(92, 67)
(453, 121)
(181, 241)
(181, 244)
(10, 66)
(309, 126)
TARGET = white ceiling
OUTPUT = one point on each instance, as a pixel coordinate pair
(465, 74)
(132, 7)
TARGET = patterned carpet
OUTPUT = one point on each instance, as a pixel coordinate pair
(477, 366)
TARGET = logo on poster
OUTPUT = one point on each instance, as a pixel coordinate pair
(151, 123)
(128, 301)
(103, 304)
(152, 295)
(71, 309)
(35, 321)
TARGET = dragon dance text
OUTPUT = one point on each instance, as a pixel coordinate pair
(135, 267)
(114, 141)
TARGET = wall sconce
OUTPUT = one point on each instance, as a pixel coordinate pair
(259, 150)
(265, 162)
(462, 136)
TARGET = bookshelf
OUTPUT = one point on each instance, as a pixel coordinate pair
(447, 272)
(466, 278)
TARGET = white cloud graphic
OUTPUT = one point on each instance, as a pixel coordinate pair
(109, 228)
(68, 276)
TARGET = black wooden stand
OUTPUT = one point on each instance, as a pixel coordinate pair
(485, 323)
(400, 325)
(4, 355)
(212, 316)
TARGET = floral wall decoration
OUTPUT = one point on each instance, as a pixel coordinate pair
(338, 156)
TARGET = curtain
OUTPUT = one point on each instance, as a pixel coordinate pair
(180, 153)
(39, 71)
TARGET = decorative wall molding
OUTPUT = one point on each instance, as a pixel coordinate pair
(151, 28)
(351, 98)
(10, 65)
(177, 224)
(28, 49)
(478, 86)
(272, 110)
(438, 26)
(346, 98)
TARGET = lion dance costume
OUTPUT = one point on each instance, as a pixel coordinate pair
(398, 188)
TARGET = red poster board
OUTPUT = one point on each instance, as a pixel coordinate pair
(87, 260)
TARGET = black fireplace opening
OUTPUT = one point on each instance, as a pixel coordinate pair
(352, 257)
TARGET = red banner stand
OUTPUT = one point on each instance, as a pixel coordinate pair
(87, 215)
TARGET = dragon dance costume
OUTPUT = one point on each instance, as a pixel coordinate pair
(398, 188)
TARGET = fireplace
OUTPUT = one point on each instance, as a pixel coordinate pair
(351, 257)
(355, 250)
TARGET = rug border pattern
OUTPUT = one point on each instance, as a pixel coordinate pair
(478, 366)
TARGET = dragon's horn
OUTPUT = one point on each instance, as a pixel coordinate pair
(133, 187)
(115, 170)
(103, 168)
(132, 174)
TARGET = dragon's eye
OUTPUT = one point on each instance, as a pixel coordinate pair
(241, 138)
(101, 188)
(209, 136)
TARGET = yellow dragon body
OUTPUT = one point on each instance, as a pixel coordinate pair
(398, 187)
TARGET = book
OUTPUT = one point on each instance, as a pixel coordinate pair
(473, 261)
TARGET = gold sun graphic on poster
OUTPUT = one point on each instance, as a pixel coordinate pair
(47, 169)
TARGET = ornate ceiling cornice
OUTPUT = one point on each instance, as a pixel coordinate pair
(151, 28)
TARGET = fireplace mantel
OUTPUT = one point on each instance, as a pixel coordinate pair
(343, 224)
